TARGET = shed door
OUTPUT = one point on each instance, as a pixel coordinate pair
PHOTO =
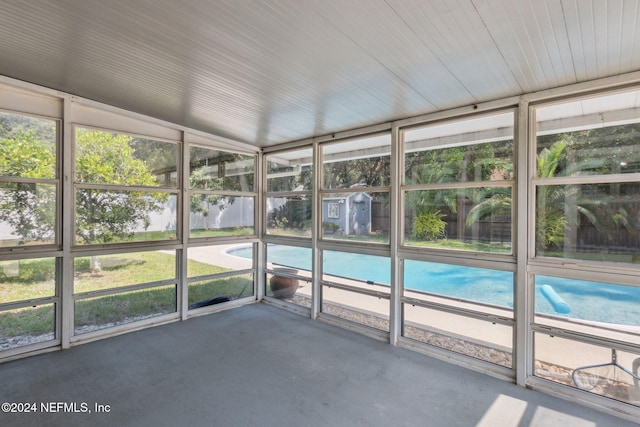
(360, 218)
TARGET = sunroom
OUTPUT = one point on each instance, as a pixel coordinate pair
(485, 212)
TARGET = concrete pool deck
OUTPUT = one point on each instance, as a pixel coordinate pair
(219, 254)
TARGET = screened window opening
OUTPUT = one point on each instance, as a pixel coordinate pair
(101, 312)
(111, 290)
(356, 288)
(211, 169)
(597, 369)
(104, 157)
(482, 339)
(587, 219)
(356, 216)
(468, 310)
(356, 176)
(28, 180)
(289, 193)
(289, 274)
(31, 285)
(126, 188)
(29, 325)
(221, 193)
(588, 178)
(583, 305)
(371, 311)
(458, 184)
(208, 292)
(473, 219)
(480, 289)
(219, 274)
(29, 191)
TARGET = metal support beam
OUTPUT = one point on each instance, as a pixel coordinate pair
(395, 309)
(316, 220)
(523, 298)
(66, 308)
(183, 213)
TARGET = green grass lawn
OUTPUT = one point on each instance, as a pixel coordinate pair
(236, 287)
(384, 239)
(295, 232)
(141, 236)
(31, 279)
(124, 307)
(375, 238)
(27, 279)
(595, 256)
(149, 236)
(222, 232)
(378, 238)
(32, 321)
(460, 245)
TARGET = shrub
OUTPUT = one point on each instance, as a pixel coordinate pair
(429, 226)
(330, 227)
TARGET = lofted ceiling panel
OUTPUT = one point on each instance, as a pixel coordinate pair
(271, 71)
(528, 42)
(455, 35)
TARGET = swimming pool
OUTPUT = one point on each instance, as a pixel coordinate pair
(593, 301)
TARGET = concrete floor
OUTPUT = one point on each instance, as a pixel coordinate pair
(262, 366)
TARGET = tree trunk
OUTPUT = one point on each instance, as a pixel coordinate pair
(94, 265)
(460, 205)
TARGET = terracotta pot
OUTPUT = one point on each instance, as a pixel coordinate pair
(283, 287)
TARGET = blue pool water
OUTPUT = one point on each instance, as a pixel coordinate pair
(592, 301)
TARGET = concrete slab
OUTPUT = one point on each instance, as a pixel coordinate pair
(262, 366)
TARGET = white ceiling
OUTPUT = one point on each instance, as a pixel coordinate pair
(272, 71)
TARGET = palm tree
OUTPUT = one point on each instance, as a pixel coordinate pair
(559, 207)
(550, 218)
(427, 222)
(551, 222)
(455, 164)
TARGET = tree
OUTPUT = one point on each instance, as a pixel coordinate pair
(366, 172)
(102, 216)
(201, 203)
(214, 170)
(14, 124)
(426, 167)
(476, 162)
(562, 209)
(611, 209)
(27, 207)
(551, 221)
(550, 218)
